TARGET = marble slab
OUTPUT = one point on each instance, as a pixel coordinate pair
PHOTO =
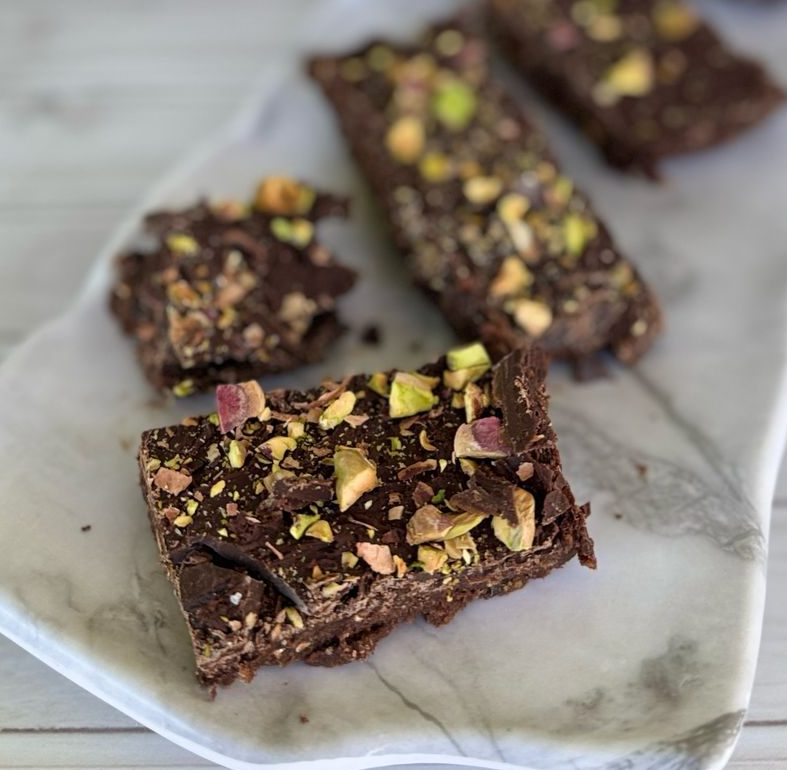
(646, 663)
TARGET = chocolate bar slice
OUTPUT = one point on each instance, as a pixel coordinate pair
(509, 248)
(233, 291)
(646, 79)
(307, 525)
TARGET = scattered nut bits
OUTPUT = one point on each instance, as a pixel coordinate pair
(355, 475)
(481, 439)
(518, 537)
(411, 393)
(283, 195)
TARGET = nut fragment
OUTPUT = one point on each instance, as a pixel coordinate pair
(431, 559)
(171, 481)
(378, 383)
(411, 393)
(298, 232)
(182, 521)
(301, 523)
(533, 316)
(378, 557)
(320, 530)
(294, 617)
(405, 139)
(349, 559)
(355, 475)
(237, 454)
(577, 233)
(337, 410)
(518, 537)
(674, 20)
(395, 513)
(468, 356)
(182, 244)
(481, 439)
(482, 190)
(512, 278)
(429, 524)
(454, 103)
(236, 404)
(475, 401)
(283, 195)
(458, 547)
(278, 446)
(632, 75)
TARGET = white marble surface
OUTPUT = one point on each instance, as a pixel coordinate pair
(704, 463)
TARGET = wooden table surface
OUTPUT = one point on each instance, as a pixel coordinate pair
(97, 99)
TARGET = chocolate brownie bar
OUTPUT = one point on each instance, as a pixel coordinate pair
(232, 291)
(646, 79)
(307, 525)
(512, 252)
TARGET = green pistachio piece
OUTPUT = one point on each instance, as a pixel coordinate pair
(468, 356)
(237, 454)
(378, 557)
(378, 383)
(454, 103)
(518, 537)
(298, 232)
(337, 410)
(320, 530)
(284, 196)
(182, 244)
(405, 139)
(301, 522)
(674, 20)
(431, 559)
(349, 559)
(481, 439)
(294, 617)
(532, 315)
(411, 393)
(278, 446)
(355, 475)
(429, 524)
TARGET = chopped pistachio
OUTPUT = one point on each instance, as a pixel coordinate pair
(378, 383)
(298, 232)
(632, 75)
(454, 103)
(456, 547)
(301, 522)
(423, 440)
(396, 443)
(191, 507)
(429, 524)
(400, 566)
(378, 557)
(295, 429)
(284, 196)
(278, 446)
(439, 497)
(481, 439)
(171, 481)
(411, 393)
(183, 388)
(320, 530)
(468, 467)
(182, 244)
(238, 403)
(331, 589)
(578, 231)
(467, 356)
(395, 513)
(533, 316)
(512, 278)
(431, 559)
(217, 488)
(481, 190)
(674, 20)
(294, 617)
(435, 167)
(183, 520)
(237, 454)
(405, 139)
(518, 537)
(337, 410)
(442, 463)
(349, 559)
(449, 42)
(355, 475)
(475, 401)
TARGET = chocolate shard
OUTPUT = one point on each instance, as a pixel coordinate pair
(491, 227)
(646, 79)
(312, 543)
(231, 291)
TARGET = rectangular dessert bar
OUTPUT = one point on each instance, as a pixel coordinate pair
(232, 291)
(646, 79)
(307, 525)
(510, 249)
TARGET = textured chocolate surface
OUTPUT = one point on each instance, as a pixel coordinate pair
(510, 249)
(232, 291)
(311, 531)
(645, 79)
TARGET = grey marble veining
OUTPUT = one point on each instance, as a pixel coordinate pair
(645, 664)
